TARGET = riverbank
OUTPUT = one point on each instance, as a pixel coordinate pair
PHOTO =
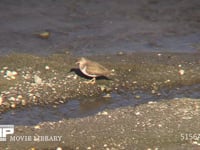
(156, 125)
(33, 80)
(28, 80)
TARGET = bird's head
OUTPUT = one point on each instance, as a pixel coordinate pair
(81, 60)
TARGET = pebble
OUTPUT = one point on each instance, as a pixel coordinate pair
(13, 105)
(158, 94)
(195, 142)
(151, 102)
(10, 75)
(75, 77)
(13, 77)
(8, 78)
(104, 113)
(47, 67)
(14, 73)
(27, 76)
(167, 81)
(187, 118)
(37, 79)
(153, 91)
(23, 102)
(43, 35)
(37, 127)
(1, 100)
(105, 145)
(5, 68)
(107, 95)
(19, 97)
(137, 113)
(11, 99)
(69, 76)
(102, 87)
(120, 53)
(7, 104)
(159, 54)
(58, 148)
(181, 72)
(137, 96)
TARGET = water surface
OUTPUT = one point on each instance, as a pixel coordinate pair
(90, 106)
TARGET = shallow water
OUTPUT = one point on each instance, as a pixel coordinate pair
(85, 107)
(92, 27)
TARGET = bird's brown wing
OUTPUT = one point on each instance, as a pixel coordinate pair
(97, 69)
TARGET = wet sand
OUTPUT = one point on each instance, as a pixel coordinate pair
(162, 125)
(159, 125)
(56, 79)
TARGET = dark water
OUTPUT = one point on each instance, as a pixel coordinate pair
(85, 107)
(89, 27)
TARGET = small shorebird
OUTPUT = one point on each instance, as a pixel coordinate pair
(92, 69)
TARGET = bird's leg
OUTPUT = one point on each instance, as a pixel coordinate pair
(92, 81)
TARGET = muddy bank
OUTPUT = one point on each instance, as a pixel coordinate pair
(156, 125)
(32, 80)
(28, 80)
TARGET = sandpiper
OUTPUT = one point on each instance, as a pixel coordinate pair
(92, 69)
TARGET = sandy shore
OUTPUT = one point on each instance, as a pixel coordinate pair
(32, 80)
(156, 125)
